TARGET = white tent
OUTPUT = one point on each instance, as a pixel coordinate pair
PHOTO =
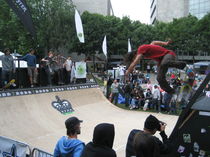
(22, 64)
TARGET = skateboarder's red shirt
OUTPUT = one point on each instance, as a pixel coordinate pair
(154, 52)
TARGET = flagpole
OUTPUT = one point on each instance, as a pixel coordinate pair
(108, 77)
(104, 49)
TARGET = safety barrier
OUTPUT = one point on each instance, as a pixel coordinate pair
(40, 153)
(9, 147)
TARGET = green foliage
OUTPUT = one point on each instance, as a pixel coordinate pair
(54, 24)
(55, 27)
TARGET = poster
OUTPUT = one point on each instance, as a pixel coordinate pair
(80, 70)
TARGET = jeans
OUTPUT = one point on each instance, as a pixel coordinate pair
(127, 99)
(6, 77)
(167, 61)
(115, 97)
(156, 105)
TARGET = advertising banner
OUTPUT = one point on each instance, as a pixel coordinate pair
(80, 70)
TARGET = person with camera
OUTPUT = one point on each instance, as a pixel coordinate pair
(151, 126)
(69, 145)
(48, 67)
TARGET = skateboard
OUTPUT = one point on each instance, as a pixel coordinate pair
(11, 82)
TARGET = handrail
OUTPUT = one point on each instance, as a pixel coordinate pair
(40, 153)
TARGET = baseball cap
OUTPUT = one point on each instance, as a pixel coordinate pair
(152, 123)
(71, 122)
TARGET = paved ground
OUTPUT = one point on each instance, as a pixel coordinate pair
(31, 118)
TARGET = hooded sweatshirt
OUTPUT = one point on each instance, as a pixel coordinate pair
(67, 147)
(101, 146)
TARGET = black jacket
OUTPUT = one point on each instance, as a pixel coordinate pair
(101, 146)
(165, 146)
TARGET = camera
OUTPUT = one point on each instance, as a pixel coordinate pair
(161, 123)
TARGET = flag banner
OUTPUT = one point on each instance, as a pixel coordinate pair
(129, 46)
(79, 28)
(104, 46)
(80, 70)
(9, 147)
(21, 10)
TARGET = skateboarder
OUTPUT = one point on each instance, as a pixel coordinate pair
(164, 57)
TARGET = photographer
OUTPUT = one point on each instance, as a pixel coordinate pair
(151, 126)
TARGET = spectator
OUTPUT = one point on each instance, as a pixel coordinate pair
(148, 99)
(156, 98)
(145, 145)
(69, 145)
(155, 69)
(60, 60)
(148, 68)
(141, 97)
(30, 58)
(147, 78)
(115, 91)
(151, 126)
(134, 99)
(121, 73)
(68, 66)
(166, 101)
(73, 72)
(127, 91)
(109, 83)
(48, 60)
(102, 143)
(8, 67)
(134, 76)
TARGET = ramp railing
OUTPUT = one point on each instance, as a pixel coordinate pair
(40, 153)
(9, 147)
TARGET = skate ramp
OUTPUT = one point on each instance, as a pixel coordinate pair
(32, 119)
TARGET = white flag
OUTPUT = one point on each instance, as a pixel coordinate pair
(104, 46)
(129, 46)
(79, 28)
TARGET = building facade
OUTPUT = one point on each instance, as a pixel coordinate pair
(199, 8)
(103, 7)
(167, 10)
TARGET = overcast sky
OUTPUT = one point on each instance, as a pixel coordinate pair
(135, 9)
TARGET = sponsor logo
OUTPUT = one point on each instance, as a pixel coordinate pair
(63, 106)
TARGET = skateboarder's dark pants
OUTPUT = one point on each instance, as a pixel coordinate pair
(6, 76)
(168, 61)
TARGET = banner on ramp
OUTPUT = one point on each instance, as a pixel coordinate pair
(10, 147)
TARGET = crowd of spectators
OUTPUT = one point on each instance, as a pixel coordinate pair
(140, 93)
(54, 69)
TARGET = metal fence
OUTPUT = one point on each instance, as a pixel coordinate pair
(40, 153)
